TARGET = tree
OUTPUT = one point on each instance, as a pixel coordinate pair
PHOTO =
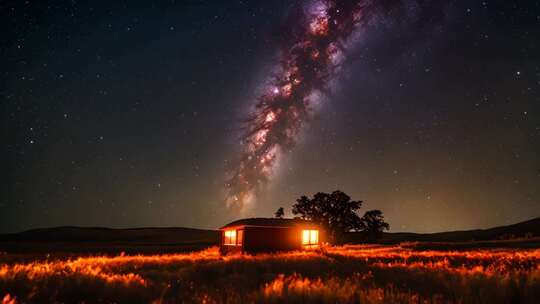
(374, 224)
(335, 212)
(279, 213)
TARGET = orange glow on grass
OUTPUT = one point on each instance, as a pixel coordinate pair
(366, 274)
(109, 270)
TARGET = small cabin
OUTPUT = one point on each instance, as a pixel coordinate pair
(254, 235)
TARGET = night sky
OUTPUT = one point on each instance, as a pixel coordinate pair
(132, 114)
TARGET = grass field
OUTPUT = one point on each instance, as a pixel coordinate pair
(356, 274)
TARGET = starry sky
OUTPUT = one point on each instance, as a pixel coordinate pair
(129, 114)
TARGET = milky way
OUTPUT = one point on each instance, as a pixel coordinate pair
(311, 54)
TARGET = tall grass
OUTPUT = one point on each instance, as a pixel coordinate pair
(350, 274)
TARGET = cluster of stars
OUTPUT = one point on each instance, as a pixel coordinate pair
(308, 62)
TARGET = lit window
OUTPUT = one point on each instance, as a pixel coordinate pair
(310, 238)
(229, 237)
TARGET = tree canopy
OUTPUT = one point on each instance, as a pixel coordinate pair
(279, 213)
(337, 213)
(374, 224)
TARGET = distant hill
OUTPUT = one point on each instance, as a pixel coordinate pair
(530, 228)
(107, 240)
(99, 234)
(160, 240)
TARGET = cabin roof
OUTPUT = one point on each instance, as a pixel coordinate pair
(269, 222)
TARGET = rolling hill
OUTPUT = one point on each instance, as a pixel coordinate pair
(524, 235)
(519, 230)
(160, 240)
(108, 240)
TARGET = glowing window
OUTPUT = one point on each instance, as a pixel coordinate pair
(310, 237)
(229, 237)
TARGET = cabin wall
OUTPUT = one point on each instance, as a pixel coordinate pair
(268, 239)
(271, 239)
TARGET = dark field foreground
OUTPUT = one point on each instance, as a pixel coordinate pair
(365, 274)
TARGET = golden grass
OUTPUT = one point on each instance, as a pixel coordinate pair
(353, 274)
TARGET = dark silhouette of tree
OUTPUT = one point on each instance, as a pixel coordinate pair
(335, 212)
(373, 225)
(279, 213)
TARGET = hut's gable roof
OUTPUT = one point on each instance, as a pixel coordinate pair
(269, 222)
